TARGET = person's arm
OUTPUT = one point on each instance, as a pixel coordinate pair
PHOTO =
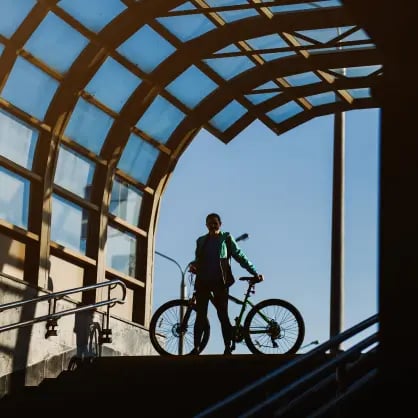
(193, 264)
(240, 257)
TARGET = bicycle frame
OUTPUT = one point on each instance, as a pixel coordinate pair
(245, 303)
(269, 326)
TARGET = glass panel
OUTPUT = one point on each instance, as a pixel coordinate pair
(260, 97)
(228, 115)
(138, 158)
(113, 84)
(284, 112)
(359, 35)
(14, 198)
(230, 16)
(268, 42)
(121, 251)
(17, 140)
(362, 93)
(302, 79)
(47, 40)
(29, 88)
(160, 119)
(88, 126)
(12, 13)
(191, 97)
(269, 85)
(353, 72)
(230, 67)
(322, 98)
(146, 48)
(324, 35)
(74, 172)
(305, 6)
(68, 224)
(189, 26)
(94, 14)
(125, 201)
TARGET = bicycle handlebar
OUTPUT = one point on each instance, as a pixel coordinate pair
(250, 279)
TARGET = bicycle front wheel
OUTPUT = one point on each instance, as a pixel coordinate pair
(274, 326)
(169, 334)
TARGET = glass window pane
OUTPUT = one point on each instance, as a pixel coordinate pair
(74, 172)
(68, 224)
(88, 126)
(232, 15)
(138, 158)
(125, 202)
(284, 112)
(302, 79)
(260, 97)
(160, 119)
(94, 14)
(112, 84)
(121, 251)
(361, 93)
(353, 72)
(14, 198)
(146, 48)
(270, 41)
(29, 88)
(46, 43)
(228, 115)
(12, 13)
(189, 26)
(305, 6)
(232, 66)
(322, 98)
(191, 97)
(17, 140)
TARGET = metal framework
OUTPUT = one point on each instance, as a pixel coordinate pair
(91, 80)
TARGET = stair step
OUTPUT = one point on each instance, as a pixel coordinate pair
(164, 386)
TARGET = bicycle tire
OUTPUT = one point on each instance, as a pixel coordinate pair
(165, 333)
(282, 334)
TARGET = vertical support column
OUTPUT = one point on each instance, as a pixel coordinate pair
(337, 242)
(398, 223)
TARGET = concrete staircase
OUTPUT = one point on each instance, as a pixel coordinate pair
(147, 386)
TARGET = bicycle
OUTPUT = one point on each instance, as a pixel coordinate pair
(272, 326)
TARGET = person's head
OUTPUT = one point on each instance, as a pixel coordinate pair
(213, 223)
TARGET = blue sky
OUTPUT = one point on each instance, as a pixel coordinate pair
(278, 189)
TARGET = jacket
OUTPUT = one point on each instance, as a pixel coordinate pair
(236, 253)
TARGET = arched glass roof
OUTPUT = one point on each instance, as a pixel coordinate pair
(99, 98)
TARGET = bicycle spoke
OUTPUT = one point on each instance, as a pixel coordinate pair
(274, 327)
(167, 333)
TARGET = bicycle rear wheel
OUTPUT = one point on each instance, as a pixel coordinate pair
(274, 326)
(167, 331)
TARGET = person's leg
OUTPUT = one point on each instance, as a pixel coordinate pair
(202, 301)
(220, 295)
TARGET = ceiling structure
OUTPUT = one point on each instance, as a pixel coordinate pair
(100, 98)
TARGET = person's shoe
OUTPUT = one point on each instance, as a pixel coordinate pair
(227, 351)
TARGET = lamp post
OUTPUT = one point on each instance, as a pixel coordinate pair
(183, 287)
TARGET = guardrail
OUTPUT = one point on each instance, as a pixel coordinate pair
(270, 399)
(52, 317)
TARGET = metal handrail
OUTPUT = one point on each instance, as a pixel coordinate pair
(269, 378)
(53, 316)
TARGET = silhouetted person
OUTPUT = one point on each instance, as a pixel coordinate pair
(211, 266)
